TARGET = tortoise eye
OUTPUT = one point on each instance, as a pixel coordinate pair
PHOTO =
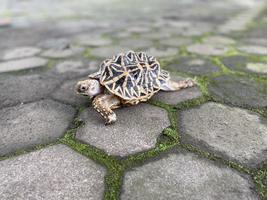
(83, 88)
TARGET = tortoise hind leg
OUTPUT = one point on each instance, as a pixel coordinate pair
(170, 85)
(104, 103)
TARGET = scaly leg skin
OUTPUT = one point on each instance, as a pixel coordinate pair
(104, 103)
(175, 86)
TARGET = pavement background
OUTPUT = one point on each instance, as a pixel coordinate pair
(206, 142)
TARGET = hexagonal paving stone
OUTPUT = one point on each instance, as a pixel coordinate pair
(21, 52)
(66, 93)
(34, 123)
(70, 69)
(56, 172)
(22, 64)
(136, 129)
(54, 43)
(136, 43)
(242, 63)
(216, 39)
(259, 50)
(236, 133)
(22, 89)
(239, 91)
(194, 66)
(184, 175)
(162, 52)
(93, 41)
(177, 96)
(108, 52)
(207, 49)
(68, 51)
(175, 42)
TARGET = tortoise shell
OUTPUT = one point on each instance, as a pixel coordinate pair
(132, 76)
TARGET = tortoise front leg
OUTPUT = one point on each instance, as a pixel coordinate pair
(104, 103)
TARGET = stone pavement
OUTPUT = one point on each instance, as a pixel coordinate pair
(208, 142)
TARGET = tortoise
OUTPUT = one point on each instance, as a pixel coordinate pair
(126, 79)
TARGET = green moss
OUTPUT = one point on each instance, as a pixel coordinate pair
(27, 150)
(260, 180)
(140, 158)
(183, 51)
(87, 54)
(217, 61)
(112, 163)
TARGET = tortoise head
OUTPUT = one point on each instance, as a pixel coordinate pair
(89, 87)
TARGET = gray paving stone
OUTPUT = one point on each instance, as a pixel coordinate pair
(25, 88)
(175, 42)
(25, 63)
(257, 67)
(34, 123)
(194, 66)
(235, 133)
(136, 129)
(136, 43)
(162, 52)
(108, 52)
(156, 35)
(21, 52)
(139, 29)
(62, 53)
(259, 50)
(217, 39)
(66, 93)
(178, 96)
(239, 91)
(69, 69)
(259, 41)
(185, 176)
(207, 49)
(93, 41)
(242, 63)
(55, 43)
(56, 172)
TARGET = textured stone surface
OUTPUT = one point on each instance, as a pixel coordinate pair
(253, 49)
(218, 40)
(54, 43)
(62, 53)
(195, 66)
(56, 172)
(136, 43)
(237, 133)
(21, 52)
(31, 124)
(93, 41)
(75, 68)
(175, 42)
(239, 91)
(25, 63)
(136, 129)
(162, 52)
(185, 176)
(178, 96)
(257, 67)
(66, 93)
(207, 49)
(242, 63)
(26, 88)
(108, 52)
